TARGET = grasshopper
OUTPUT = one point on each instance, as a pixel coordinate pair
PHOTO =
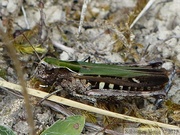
(104, 80)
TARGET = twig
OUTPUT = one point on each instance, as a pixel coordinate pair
(148, 5)
(83, 15)
(23, 89)
(69, 50)
(54, 92)
(98, 128)
(25, 17)
(58, 108)
(32, 46)
(89, 108)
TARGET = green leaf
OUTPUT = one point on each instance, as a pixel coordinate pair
(6, 131)
(71, 126)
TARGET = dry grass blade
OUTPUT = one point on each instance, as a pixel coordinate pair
(78, 105)
(149, 4)
(12, 54)
(83, 12)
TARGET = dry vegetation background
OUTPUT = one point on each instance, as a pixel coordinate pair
(106, 36)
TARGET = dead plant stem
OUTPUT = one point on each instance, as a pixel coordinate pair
(19, 70)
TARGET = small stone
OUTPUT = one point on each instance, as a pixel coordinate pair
(22, 127)
(164, 34)
(12, 7)
(168, 65)
(43, 118)
(166, 52)
(172, 42)
(64, 56)
(4, 3)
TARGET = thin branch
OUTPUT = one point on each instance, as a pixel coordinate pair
(82, 106)
(83, 12)
(145, 9)
(19, 70)
(69, 50)
(25, 17)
